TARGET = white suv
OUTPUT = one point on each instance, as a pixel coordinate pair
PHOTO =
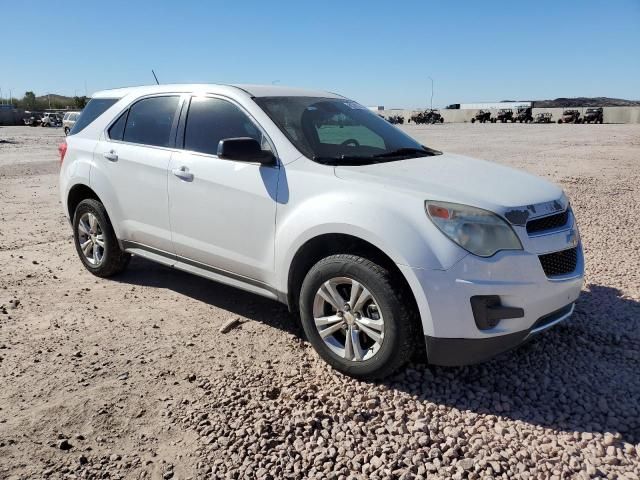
(69, 120)
(383, 245)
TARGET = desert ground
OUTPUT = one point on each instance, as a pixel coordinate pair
(131, 377)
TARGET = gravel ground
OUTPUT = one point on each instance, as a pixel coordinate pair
(132, 378)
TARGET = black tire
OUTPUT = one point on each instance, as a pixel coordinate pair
(66, 130)
(400, 322)
(114, 259)
(473, 120)
(559, 122)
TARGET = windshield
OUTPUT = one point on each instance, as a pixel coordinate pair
(339, 131)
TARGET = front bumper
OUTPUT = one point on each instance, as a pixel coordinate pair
(516, 277)
(455, 352)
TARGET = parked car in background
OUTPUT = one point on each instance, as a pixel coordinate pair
(383, 245)
(32, 119)
(395, 119)
(593, 115)
(544, 117)
(69, 120)
(482, 116)
(523, 115)
(570, 116)
(50, 120)
(428, 116)
(504, 115)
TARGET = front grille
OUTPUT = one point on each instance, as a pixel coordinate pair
(548, 223)
(559, 263)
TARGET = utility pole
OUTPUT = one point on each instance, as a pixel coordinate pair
(431, 92)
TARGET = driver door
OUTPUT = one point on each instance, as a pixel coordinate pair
(222, 212)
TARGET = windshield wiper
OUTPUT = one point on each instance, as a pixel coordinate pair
(378, 158)
(344, 159)
(425, 152)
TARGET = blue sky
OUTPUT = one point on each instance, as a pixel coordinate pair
(379, 53)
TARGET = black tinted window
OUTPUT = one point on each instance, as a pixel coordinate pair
(149, 121)
(95, 108)
(116, 130)
(211, 120)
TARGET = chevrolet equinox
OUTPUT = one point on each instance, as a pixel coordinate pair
(384, 246)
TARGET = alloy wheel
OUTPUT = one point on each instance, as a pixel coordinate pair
(91, 239)
(348, 319)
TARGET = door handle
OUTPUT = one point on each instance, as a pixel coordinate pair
(111, 155)
(183, 173)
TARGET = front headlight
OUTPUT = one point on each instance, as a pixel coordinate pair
(478, 231)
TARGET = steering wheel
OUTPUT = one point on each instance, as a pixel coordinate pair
(351, 141)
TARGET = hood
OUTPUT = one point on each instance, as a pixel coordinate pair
(460, 179)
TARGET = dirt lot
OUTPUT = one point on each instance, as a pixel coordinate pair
(131, 378)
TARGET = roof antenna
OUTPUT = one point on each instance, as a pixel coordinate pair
(154, 76)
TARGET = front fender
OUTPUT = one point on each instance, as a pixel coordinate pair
(397, 226)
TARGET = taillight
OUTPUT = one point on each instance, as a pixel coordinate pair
(62, 150)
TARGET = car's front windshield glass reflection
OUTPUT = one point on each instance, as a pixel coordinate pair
(339, 131)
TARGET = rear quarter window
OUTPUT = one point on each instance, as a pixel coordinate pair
(95, 108)
(116, 131)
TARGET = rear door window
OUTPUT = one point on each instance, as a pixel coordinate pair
(150, 121)
(211, 120)
(95, 108)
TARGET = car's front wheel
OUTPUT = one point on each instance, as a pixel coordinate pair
(357, 317)
(95, 240)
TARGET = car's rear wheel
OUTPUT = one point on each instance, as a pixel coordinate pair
(95, 240)
(356, 316)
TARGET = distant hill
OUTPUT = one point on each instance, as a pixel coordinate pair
(585, 102)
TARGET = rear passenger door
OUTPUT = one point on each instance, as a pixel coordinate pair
(222, 212)
(133, 159)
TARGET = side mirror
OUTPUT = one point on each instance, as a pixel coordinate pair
(244, 149)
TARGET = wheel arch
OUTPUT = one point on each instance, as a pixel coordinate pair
(80, 192)
(324, 245)
(76, 194)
